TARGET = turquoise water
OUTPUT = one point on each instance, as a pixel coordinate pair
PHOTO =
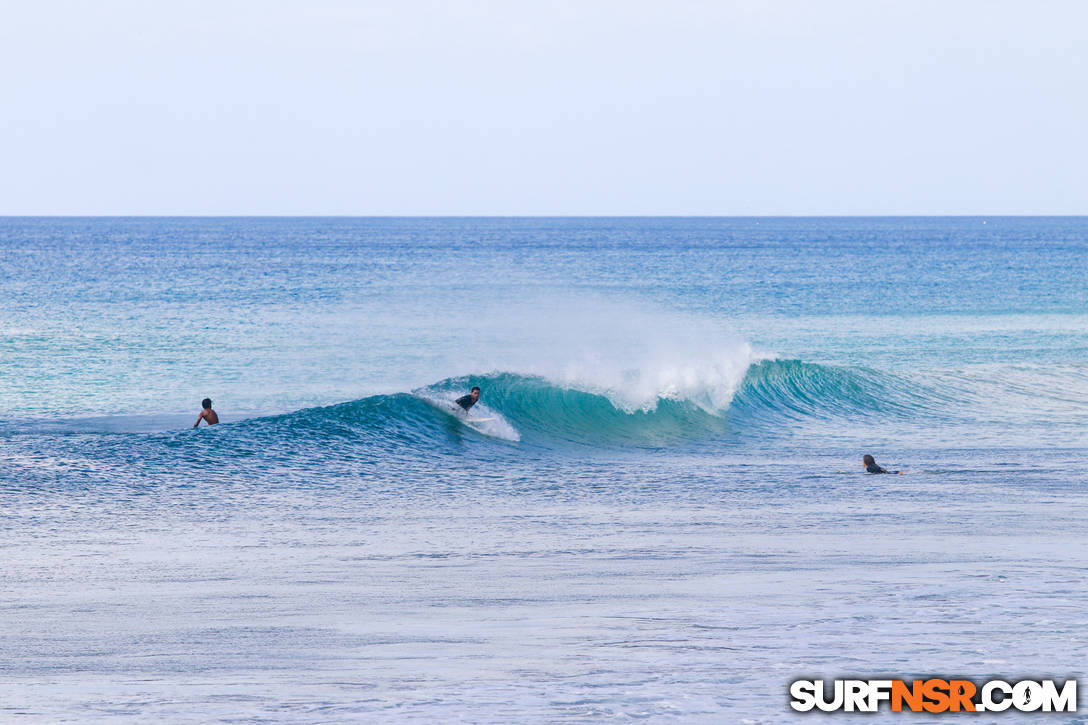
(665, 516)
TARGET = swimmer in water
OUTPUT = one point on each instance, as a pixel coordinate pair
(467, 401)
(207, 414)
(871, 467)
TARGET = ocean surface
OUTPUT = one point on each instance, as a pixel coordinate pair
(658, 514)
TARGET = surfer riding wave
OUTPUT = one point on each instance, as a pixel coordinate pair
(467, 401)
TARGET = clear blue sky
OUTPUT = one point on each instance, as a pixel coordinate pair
(587, 107)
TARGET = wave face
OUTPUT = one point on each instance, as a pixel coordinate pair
(546, 412)
(795, 390)
(536, 411)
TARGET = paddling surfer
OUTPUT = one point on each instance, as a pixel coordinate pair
(871, 467)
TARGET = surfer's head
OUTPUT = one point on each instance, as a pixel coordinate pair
(868, 460)
(206, 403)
(475, 393)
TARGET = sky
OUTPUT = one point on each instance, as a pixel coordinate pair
(590, 107)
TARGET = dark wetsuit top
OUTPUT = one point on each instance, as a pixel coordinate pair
(871, 469)
(466, 401)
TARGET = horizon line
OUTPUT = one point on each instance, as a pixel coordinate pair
(542, 216)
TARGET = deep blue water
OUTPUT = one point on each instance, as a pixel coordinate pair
(665, 504)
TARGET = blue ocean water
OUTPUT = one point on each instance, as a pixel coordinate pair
(664, 514)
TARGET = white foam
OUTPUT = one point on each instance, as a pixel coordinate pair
(635, 355)
(705, 375)
(495, 425)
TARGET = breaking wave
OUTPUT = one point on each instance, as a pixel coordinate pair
(536, 410)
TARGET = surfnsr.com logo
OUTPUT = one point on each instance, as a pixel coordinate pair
(934, 695)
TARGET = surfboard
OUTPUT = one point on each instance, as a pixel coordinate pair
(492, 426)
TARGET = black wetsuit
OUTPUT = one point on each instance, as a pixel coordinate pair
(873, 468)
(466, 401)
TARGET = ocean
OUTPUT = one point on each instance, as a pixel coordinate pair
(663, 517)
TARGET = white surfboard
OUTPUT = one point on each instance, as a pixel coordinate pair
(492, 426)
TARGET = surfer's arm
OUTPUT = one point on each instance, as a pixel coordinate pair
(198, 419)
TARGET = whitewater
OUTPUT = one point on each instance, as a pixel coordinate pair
(662, 517)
